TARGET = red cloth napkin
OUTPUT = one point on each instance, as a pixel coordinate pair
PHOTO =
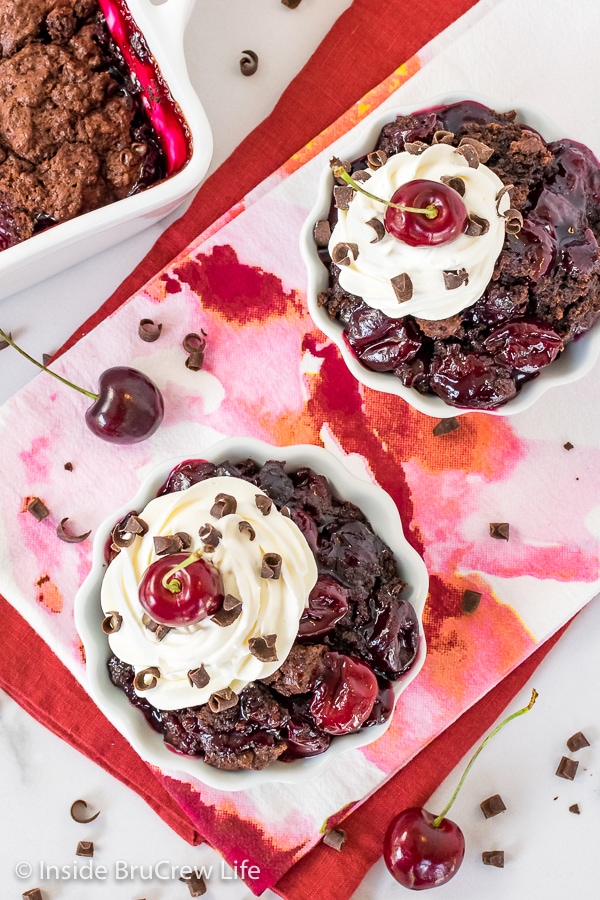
(360, 50)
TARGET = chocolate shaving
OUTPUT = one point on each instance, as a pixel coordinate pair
(336, 838)
(342, 195)
(159, 631)
(68, 538)
(291, 4)
(165, 544)
(224, 505)
(111, 623)
(195, 361)
(575, 809)
(403, 287)
(149, 331)
(210, 537)
(248, 62)
(577, 741)
(199, 677)
(78, 814)
(376, 159)
(271, 566)
(38, 509)
(222, 700)
(85, 848)
(263, 503)
(500, 530)
(361, 175)
(229, 612)
(442, 137)
(482, 150)
(335, 163)
(470, 154)
(513, 221)
(33, 894)
(322, 232)
(4, 344)
(503, 190)
(493, 858)
(193, 342)
(263, 647)
(378, 227)
(446, 426)
(455, 182)
(567, 768)
(493, 806)
(68, 466)
(453, 280)
(119, 538)
(246, 528)
(146, 679)
(135, 525)
(184, 537)
(415, 147)
(568, 445)
(46, 358)
(343, 254)
(470, 601)
(196, 884)
(476, 225)
(286, 512)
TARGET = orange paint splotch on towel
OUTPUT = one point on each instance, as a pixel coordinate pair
(48, 594)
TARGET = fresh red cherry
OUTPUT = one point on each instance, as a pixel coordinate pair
(129, 407)
(344, 695)
(181, 589)
(419, 855)
(327, 605)
(419, 229)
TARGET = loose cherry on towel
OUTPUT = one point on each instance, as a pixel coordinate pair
(127, 408)
(422, 850)
(181, 589)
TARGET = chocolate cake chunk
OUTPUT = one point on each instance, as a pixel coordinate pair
(297, 674)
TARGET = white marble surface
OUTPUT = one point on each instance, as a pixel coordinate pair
(550, 852)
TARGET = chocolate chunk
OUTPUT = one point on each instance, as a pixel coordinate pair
(415, 147)
(336, 163)
(263, 647)
(342, 195)
(68, 466)
(291, 4)
(263, 503)
(492, 806)
(229, 612)
(476, 226)
(135, 525)
(470, 154)
(196, 884)
(4, 344)
(33, 894)
(271, 566)
(165, 544)
(146, 679)
(159, 631)
(343, 254)
(224, 505)
(149, 331)
(482, 150)
(575, 809)
(63, 535)
(455, 182)
(500, 530)
(577, 741)
(195, 361)
(493, 858)
(453, 280)
(378, 227)
(442, 137)
(335, 838)
(185, 538)
(111, 622)
(248, 62)
(361, 175)
(221, 700)
(38, 509)
(513, 221)
(78, 813)
(322, 232)
(46, 358)
(85, 848)
(470, 601)
(568, 445)
(210, 537)
(246, 528)
(507, 189)
(121, 538)
(198, 677)
(446, 426)
(567, 768)
(403, 287)
(376, 159)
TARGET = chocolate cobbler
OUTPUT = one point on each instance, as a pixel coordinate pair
(254, 616)
(73, 133)
(484, 266)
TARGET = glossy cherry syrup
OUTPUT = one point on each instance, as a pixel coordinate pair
(197, 593)
(344, 694)
(419, 855)
(327, 605)
(420, 229)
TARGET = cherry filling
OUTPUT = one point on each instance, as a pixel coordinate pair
(344, 694)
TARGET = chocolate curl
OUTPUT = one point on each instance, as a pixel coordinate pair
(221, 700)
(500, 530)
(263, 503)
(379, 229)
(493, 858)
(111, 623)
(334, 163)
(85, 848)
(342, 195)
(513, 221)
(344, 254)
(442, 137)
(567, 768)
(195, 345)
(229, 612)
(224, 505)
(361, 175)
(264, 647)
(470, 154)
(453, 280)
(507, 189)
(336, 839)
(476, 225)
(199, 677)
(146, 679)
(482, 150)
(78, 813)
(210, 537)
(246, 528)
(149, 331)
(248, 62)
(415, 147)
(403, 287)
(376, 159)
(455, 182)
(322, 233)
(38, 509)
(68, 538)
(291, 4)
(159, 631)
(271, 566)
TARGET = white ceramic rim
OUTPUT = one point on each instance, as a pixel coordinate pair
(379, 508)
(578, 357)
(163, 28)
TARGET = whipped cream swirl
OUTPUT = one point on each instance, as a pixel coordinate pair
(369, 275)
(269, 606)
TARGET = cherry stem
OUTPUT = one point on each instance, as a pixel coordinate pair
(338, 170)
(534, 695)
(173, 584)
(75, 387)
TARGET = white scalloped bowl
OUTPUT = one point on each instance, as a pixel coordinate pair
(162, 27)
(577, 359)
(382, 512)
